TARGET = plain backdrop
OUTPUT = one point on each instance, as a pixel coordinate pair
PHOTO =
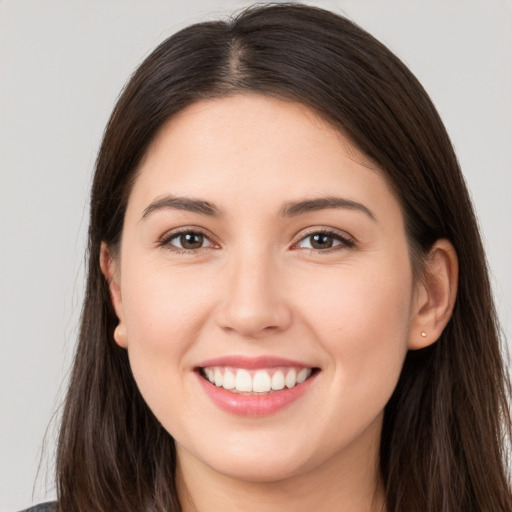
(62, 65)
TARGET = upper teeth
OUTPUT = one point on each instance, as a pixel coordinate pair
(255, 381)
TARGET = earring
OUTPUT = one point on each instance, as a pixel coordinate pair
(423, 334)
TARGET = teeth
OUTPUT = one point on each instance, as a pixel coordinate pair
(243, 381)
(278, 380)
(229, 380)
(256, 381)
(261, 382)
(291, 378)
(219, 377)
(210, 374)
(303, 375)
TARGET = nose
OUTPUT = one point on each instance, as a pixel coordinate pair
(254, 299)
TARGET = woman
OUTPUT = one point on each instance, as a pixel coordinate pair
(287, 304)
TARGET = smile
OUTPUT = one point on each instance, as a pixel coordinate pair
(254, 386)
(256, 381)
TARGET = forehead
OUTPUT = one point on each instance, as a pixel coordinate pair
(252, 147)
(260, 116)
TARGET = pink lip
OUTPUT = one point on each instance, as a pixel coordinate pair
(251, 362)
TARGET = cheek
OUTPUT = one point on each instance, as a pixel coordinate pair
(361, 298)
(362, 320)
(162, 304)
(164, 311)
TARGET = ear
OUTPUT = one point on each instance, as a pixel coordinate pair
(435, 295)
(110, 270)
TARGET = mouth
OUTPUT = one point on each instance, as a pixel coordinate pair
(260, 381)
(254, 386)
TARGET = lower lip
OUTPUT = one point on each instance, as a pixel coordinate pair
(254, 405)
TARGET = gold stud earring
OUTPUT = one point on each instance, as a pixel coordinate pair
(423, 334)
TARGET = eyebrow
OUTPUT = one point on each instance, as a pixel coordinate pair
(295, 208)
(170, 202)
(289, 209)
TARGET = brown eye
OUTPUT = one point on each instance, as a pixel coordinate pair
(191, 240)
(321, 241)
(187, 241)
(324, 240)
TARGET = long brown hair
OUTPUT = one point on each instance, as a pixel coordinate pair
(447, 425)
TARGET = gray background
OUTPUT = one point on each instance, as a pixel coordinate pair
(62, 65)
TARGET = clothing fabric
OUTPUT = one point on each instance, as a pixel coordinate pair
(42, 507)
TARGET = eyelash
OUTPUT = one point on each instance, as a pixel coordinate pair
(344, 241)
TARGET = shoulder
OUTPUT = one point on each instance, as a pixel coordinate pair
(43, 507)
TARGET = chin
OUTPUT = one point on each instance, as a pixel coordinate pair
(258, 459)
(259, 470)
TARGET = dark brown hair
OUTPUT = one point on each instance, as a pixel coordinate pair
(447, 425)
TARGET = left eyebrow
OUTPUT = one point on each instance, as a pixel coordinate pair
(292, 209)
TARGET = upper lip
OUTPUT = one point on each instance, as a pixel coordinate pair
(237, 361)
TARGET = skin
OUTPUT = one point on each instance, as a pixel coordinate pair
(256, 287)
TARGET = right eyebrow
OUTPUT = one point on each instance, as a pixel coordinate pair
(171, 202)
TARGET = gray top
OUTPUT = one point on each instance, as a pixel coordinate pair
(42, 507)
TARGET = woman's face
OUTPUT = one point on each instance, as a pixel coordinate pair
(261, 249)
